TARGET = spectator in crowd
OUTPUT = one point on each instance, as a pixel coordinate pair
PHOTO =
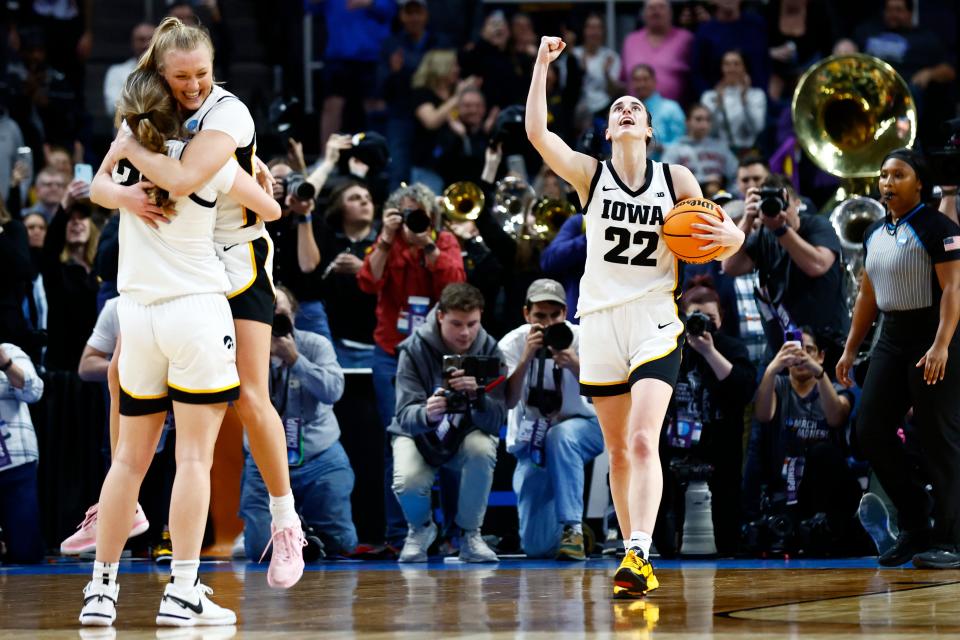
(296, 254)
(400, 57)
(665, 48)
(50, 187)
(551, 429)
(430, 432)
(504, 83)
(705, 419)
(304, 386)
(564, 259)
(739, 110)
(919, 56)
(462, 142)
(665, 114)
(601, 67)
(437, 88)
(799, 32)
(58, 158)
(347, 235)
(69, 250)
(706, 157)
(800, 453)
(19, 498)
(11, 139)
(523, 38)
(18, 272)
(407, 270)
(731, 28)
(117, 73)
(35, 300)
(693, 14)
(357, 29)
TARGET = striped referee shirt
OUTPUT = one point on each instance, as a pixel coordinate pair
(900, 258)
(16, 428)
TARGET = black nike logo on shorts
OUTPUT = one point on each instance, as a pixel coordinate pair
(661, 326)
(196, 608)
(229, 246)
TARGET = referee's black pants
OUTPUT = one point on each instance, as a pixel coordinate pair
(893, 385)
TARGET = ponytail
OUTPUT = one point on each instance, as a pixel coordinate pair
(172, 34)
(147, 109)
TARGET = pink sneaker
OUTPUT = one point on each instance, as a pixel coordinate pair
(286, 563)
(85, 539)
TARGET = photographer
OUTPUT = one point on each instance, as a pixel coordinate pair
(296, 254)
(798, 257)
(407, 270)
(449, 412)
(705, 420)
(800, 453)
(551, 429)
(305, 382)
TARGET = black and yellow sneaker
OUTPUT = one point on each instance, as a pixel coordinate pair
(571, 545)
(163, 551)
(634, 578)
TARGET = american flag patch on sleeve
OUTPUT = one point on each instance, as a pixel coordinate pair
(951, 243)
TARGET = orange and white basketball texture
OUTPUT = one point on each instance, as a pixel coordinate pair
(678, 230)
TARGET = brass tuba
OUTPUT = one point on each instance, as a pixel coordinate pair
(549, 214)
(512, 201)
(848, 113)
(462, 201)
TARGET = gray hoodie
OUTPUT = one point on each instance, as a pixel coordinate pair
(420, 372)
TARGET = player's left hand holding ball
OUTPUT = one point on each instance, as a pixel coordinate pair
(720, 233)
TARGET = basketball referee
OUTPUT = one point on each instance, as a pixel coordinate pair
(912, 275)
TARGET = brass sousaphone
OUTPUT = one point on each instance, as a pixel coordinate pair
(849, 112)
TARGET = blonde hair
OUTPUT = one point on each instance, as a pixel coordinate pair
(172, 34)
(436, 64)
(149, 111)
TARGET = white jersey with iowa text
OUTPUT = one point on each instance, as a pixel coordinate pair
(626, 256)
(178, 258)
(223, 111)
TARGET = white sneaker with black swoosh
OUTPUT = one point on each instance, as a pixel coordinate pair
(99, 604)
(191, 607)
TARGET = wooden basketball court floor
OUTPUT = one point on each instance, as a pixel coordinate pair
(515, 599)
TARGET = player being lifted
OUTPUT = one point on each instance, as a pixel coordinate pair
(630, 330)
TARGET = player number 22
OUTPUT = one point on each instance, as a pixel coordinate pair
(647, 239)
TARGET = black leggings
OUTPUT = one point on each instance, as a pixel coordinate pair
(893, 385)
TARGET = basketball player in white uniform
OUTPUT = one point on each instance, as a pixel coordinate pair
(178, 351)
(222, 127)
(629, 325)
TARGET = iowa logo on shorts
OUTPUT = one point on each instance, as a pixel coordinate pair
(228, 342)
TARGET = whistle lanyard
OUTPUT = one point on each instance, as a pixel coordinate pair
(894, 228)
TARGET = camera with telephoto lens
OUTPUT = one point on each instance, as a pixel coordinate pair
(282, 326)
(557, 336)
(483, 368)
(775, 530)
(773, 200)
(699, 323)
(296, 184)
(417, 220)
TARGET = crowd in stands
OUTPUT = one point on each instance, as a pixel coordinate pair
(373, 271)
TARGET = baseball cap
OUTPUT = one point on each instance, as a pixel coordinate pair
(546, 290)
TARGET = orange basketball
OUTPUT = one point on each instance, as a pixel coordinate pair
(678, 232)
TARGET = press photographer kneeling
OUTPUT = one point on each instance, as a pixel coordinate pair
(450, 405)
(552, 430)
(704, 430)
